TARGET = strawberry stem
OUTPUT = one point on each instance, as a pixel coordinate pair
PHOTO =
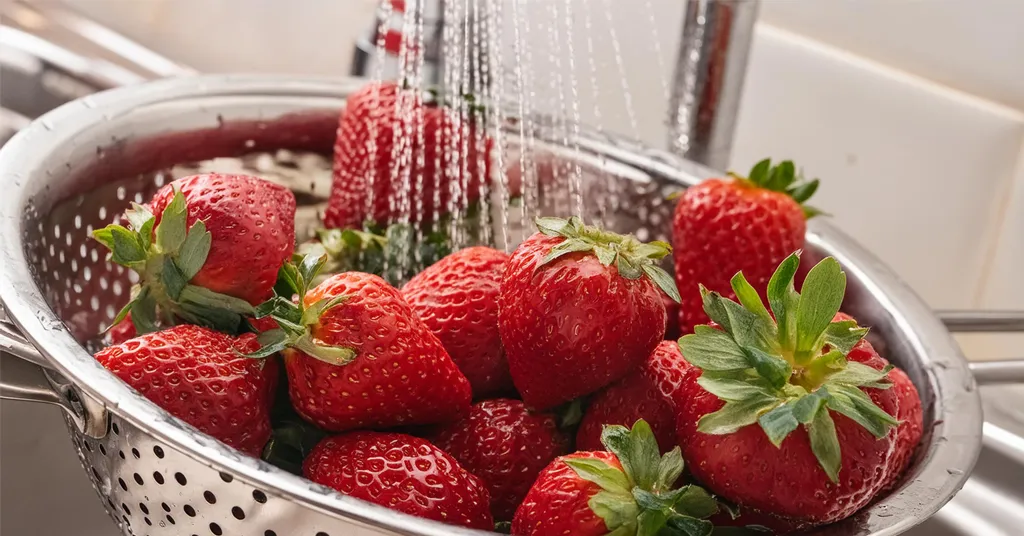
(788, 368)
(632, 258)
(166, 257)
(783, 178)
(294, 319)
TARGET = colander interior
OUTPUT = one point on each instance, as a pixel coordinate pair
(108, 156)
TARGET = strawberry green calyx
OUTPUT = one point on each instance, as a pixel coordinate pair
(393, 252)
(166, 257)
(785, 179)
(632, 258)
(295, 320)
(640, 498)
(787, 368)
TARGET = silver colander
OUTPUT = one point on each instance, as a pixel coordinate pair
(79, 166)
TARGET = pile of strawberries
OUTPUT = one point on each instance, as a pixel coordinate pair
(536, 390)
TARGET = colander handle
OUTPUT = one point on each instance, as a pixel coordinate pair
(23, 377)
(989, 372)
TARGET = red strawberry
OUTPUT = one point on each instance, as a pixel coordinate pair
(457, 298)
(735, 224)
(578, 309)
(402, 472)
(123, 331)
(628, 490)
(791, 418)
(357, 355)
(506, 446)
(646, 393)
(379, 153)
(672, 332)
(201, 377)
(207, 248)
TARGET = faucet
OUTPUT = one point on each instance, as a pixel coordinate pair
(709, 72)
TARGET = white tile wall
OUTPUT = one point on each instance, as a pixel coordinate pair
(973, 45)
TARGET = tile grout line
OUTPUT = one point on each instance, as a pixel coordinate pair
(889, 71)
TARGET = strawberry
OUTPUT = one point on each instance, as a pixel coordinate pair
(627, 490)
(646, 393)
(457, 298)
(357, 356)
(579, 308)
(792, 413)
(724, 226)
(206, 248)
(401, 472)
(505, 445)
(380, 155)
(672, 331)
(201, 377)
(123, 331)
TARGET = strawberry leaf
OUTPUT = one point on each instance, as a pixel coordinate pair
(332, 355)
(172, 278)
(599, 472)
(125, 247)
(680, 525)
(203, 296)
(194, 250)
(618, 510)
(820, 299)
(778, 423)
(732, 390)
(859, 375)
(663, 280)
(637, 451)
(853, 403)
(670, 467)
(695, 501)
(271, 342)
(710, 349)
(774, 370)
(844, 335)
(748, 297)
(170, 234)
(803, 192)
(784, 300)
(735, 415)
(825, 444)
(144, 313)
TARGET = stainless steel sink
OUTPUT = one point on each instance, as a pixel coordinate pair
(49, 55)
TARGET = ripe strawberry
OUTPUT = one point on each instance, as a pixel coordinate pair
(379, 153)
(201, 377)
(401, 472)
(457, 298)
(505, 445)
(672, 332)
(123, 331)
(736, 224)
(578, 309)
(357, 356)
(646, 393)
(206, 248)
(791, 418)
(628, 490)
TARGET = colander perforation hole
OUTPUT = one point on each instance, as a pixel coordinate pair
(189, 511)
(158, 452)
(259, 496)
(215, 529)
(166, 507)
(321, 533)
(121, 482)
(148, 522)
(144, 508)
(180, 478)
(238, 513)
(158, 478)
(127, 511)
(170, 519)
(210, 497)
(269, 532)
(135, 452)
(121, 454)
(115, 429)
(226, 477)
